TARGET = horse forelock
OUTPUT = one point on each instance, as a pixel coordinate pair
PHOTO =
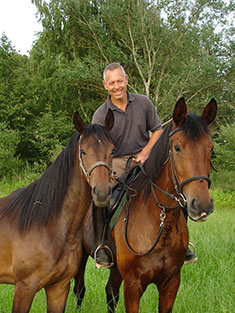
(194, 127)
(100, 131)
(36, 204)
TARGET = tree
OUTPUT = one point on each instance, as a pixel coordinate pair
(169, 48)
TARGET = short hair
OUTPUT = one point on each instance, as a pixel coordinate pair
(112, 67)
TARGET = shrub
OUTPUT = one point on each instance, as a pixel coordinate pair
(9, 162)
(224, 148)
(52, 134)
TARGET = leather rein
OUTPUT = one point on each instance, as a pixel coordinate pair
(88, 172)
(179, 197)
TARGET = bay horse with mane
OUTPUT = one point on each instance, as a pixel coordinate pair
(40, 225)
(151, 234)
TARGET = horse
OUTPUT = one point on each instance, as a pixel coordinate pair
(151, 234)
(40, 224)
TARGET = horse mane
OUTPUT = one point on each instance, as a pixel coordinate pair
(38, 203)
(194, 127)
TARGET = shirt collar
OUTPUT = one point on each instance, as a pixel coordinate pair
(130, 97)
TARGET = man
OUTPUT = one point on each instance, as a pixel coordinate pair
(134, 117)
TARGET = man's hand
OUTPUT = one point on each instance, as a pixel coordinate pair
(141, 157)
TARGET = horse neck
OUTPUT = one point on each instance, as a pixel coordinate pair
(76, 203)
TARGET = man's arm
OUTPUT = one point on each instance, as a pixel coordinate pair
(143, 155)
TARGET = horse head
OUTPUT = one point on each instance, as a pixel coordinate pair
(95, 157)
(191, 147)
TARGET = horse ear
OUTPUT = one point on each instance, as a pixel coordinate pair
(180, 112)
(109, 120)
(209, 112)
(78, 123)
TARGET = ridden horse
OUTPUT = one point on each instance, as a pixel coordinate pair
(151, 235)
(40, 225)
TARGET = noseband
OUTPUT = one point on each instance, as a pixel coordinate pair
(93, 166)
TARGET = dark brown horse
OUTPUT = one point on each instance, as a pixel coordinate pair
(151, 235)
(40, 225)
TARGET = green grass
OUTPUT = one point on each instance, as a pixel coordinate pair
(206, 286)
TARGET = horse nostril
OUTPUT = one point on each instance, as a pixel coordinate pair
(193, 203)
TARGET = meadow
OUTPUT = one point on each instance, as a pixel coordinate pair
(206, 286)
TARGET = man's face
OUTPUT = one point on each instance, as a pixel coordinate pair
(116, 84)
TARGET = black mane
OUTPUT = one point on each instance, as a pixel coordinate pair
(38, 203)
(193, 128)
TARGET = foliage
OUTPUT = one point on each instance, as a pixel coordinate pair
(51, 134)
(169, 49)
(9, 162)
(224, 148)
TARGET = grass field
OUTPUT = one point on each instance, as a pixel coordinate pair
(207, 286)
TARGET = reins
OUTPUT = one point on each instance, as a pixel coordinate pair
(179, 197)
(93, 166)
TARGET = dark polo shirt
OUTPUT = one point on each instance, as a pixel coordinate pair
(130, 132)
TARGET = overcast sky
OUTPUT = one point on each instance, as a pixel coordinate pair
(18, 21)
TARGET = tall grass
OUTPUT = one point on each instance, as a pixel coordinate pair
(206, 286)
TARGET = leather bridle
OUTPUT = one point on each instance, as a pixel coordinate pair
(88, 172)
(179, 196)
(179, 186)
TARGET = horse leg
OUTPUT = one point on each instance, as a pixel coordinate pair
(112, 290)
(23, 298)
(79, 286)
(167, 294)
(133, 290)
(57, 295)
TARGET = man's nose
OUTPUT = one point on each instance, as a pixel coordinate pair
(116, 85)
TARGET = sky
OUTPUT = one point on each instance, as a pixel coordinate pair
(18, 21)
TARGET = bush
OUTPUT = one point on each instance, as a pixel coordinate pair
(224, 148)
(9, 162)
(52, 134)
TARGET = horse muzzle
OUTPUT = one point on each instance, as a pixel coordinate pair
(102, 197)
(199, 212)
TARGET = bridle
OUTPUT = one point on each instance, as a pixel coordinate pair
(179, 186)
(87, 173)
(179, 197)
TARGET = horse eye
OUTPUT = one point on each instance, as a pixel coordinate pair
(83, 152)
(177, 148)
(113, 151)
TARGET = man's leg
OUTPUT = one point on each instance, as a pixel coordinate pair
(103, 246)
(190, 255)
(101, 251)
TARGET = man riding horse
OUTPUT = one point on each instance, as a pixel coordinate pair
(135, 116)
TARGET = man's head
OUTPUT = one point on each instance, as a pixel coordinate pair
(115, 81)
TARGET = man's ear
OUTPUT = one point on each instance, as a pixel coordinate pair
(105, 84)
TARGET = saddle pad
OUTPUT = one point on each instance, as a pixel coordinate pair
(118, 211)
